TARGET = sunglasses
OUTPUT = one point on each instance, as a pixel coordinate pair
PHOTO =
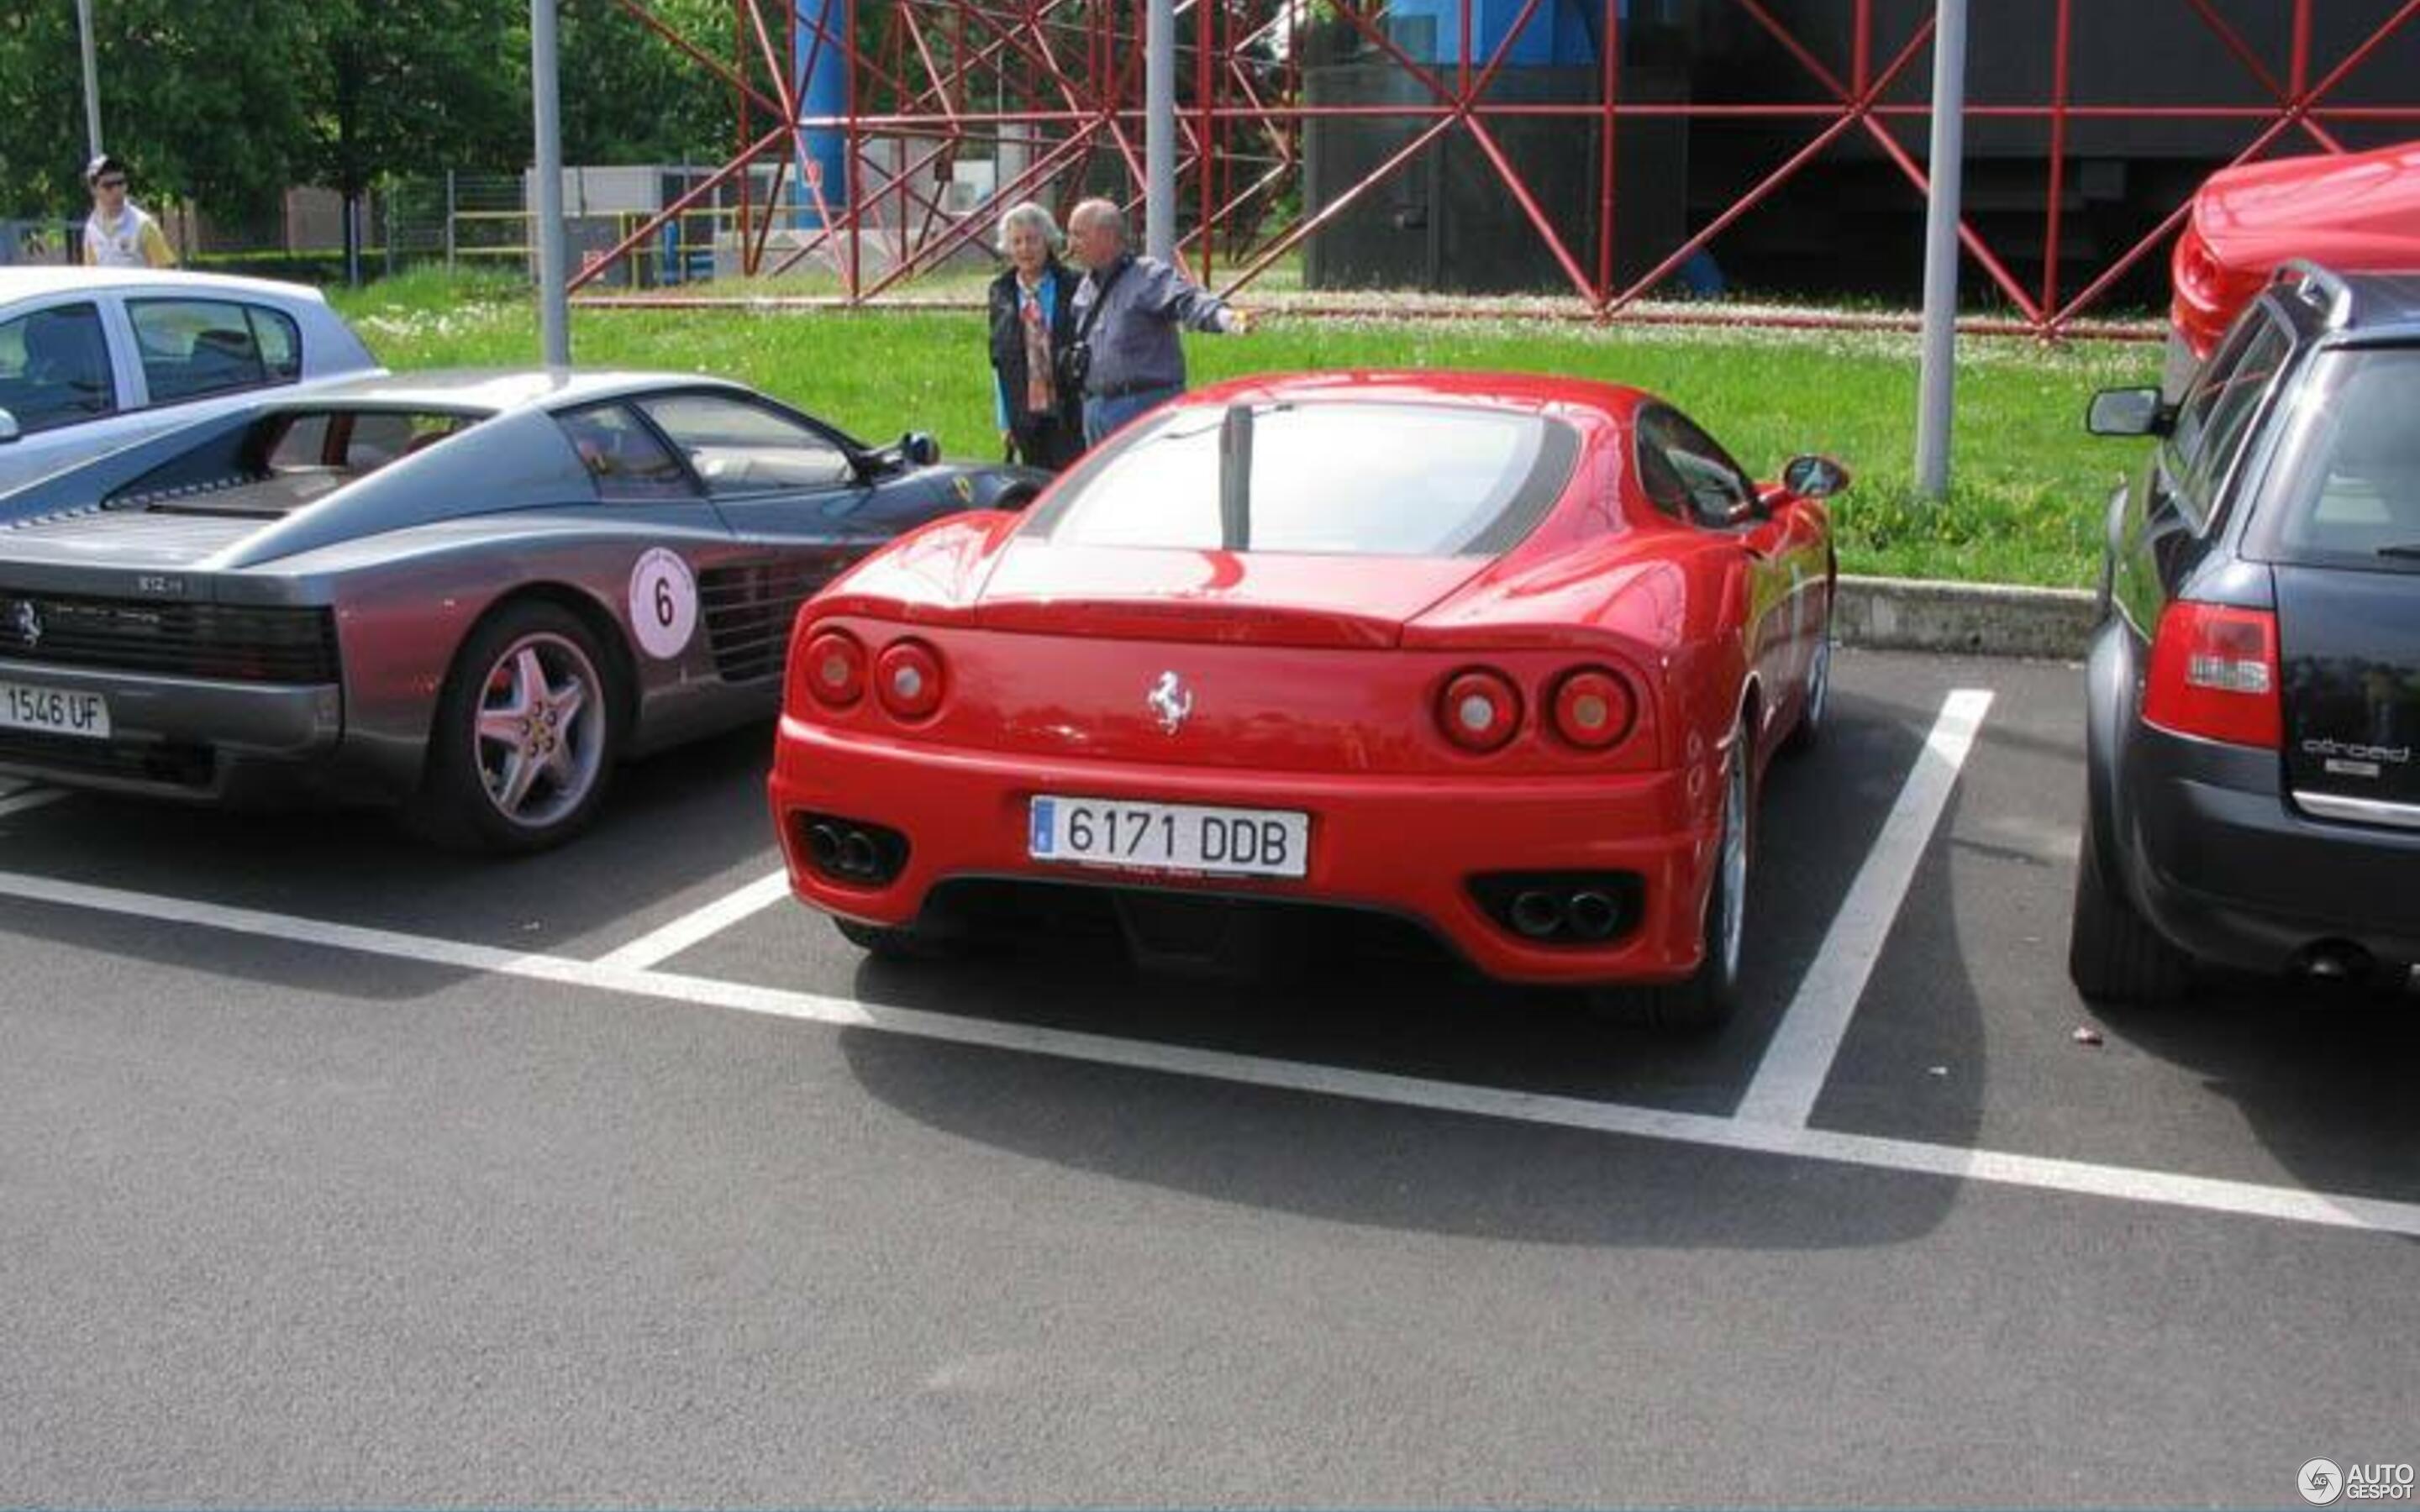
(109, 183)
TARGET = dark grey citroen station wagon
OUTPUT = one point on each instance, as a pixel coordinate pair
(2254, 796)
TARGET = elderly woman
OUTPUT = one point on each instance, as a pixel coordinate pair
(1032, 320)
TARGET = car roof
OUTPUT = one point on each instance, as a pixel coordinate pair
(2384, 299)
(2335, 309)
(1532, 391)
(496, 389)
(33, 280)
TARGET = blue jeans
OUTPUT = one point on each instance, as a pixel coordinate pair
(1103, 417)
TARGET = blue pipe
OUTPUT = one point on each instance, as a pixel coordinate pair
(820, 90)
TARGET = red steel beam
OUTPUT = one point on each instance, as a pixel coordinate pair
(957, 72)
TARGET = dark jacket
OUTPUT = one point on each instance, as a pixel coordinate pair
(1008, 342)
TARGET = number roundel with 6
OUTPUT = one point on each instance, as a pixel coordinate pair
(663, 603)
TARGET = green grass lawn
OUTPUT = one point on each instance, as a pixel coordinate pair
(2030, 487)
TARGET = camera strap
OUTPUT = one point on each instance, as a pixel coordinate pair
(1100, 297)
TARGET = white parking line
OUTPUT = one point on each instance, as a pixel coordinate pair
(2124, 1183)
(700, 924)
(1799, 1056)
(25, 798)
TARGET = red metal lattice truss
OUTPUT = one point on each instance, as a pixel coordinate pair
(1053, 89)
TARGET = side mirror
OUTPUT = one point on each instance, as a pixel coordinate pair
(918, 449)
(2128, 412)
(1815, 477)
(9, 431)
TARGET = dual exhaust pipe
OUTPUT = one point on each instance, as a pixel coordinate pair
(1585, 914)
(851, 851)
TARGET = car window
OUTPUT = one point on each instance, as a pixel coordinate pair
(279, 340)
(2348, 486)
(284, 460)
(2216, 415)
(736, 447)
(624, 456)
(1688, 475)
(192, 348)
(355, 441)
(1355, 478)
(55, 368)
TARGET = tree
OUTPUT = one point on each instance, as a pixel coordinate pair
(206, 101)
(416, 89)
(630, 96)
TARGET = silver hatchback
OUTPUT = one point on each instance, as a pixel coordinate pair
(92, 359)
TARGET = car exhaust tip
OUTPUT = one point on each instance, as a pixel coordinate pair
(1537, 915)
(2334, 961)
(823, 845)
(1593, 915)
(857, 854)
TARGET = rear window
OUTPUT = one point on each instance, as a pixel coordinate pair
(287, 459)
(354, 441)
(2346, 489)
(1333, 477)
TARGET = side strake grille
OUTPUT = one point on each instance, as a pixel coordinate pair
(178, 639)
(749, 611)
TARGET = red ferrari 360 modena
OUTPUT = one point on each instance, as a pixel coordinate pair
(1502, 656)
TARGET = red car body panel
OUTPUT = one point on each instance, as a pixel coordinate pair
(1316, 682)
(2357, 212)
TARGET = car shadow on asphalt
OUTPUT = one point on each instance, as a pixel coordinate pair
(670, 822)
(1377, 1166)
(2323, 1078)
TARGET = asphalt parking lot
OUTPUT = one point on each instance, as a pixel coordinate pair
(335, 1170)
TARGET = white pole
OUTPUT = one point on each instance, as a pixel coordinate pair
(91, 78)
(1936, 404)
(553, 303)
(1160, 132)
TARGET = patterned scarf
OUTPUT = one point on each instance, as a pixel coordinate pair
(1041, 390)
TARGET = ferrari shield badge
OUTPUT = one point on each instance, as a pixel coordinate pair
(1171, 700)
(966, 488)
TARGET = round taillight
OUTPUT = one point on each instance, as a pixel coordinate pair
(835, 668)
(1480, 710)
(908, 679)
(1592, 708)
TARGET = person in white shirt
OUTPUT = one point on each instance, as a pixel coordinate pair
(118, 233)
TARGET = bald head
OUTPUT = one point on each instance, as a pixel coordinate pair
(1097, 230)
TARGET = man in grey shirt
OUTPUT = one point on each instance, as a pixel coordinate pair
(1135, 360)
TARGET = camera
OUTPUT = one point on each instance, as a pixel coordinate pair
(1074, 362)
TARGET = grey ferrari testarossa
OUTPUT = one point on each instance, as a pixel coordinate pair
(468, 593)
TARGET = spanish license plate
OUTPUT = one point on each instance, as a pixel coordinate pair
(54, 711)
(1170, 836)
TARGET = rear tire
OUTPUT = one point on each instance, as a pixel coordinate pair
(527, 731)
(1705, 1001)
(2114, 955)
(1808, 731)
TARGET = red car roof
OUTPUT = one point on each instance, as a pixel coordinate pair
(2357, 211)
(1518, 391)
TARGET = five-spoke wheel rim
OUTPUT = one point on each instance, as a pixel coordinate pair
(1733, 872)
(537, 735)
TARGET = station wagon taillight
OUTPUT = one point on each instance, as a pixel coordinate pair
(2215, 675)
